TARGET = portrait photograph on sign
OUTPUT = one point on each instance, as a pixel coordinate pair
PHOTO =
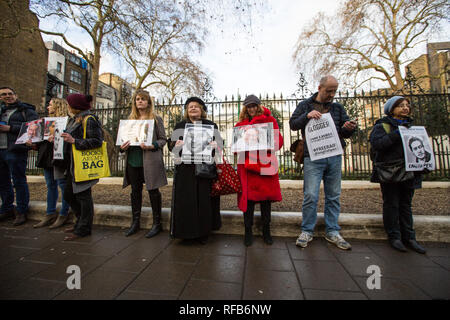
(196, 147)
(135, 131)
(253, 137)
(33, 130)
(50, 124)
(322, 138)
(58, 141)
(416, 146)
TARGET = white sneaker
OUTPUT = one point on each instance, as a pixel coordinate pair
(303, 239)
(338, 241)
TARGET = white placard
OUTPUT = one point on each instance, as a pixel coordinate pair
(135, 131)
(252, 137)
(196, 147)
(33, 130)
(322, 138)
(416, 146)
(58, 142)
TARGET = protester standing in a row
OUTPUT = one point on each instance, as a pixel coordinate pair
(386, 141)
(258, 171)
(53, 171)
(194, 212)
(145, 164)
(328, 169)
(78, 194)
(13, 157)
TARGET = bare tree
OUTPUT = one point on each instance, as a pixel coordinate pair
(369, 39)
(149, 40)
(97, 18)
(180, 76)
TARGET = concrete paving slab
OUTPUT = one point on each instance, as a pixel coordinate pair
(198, 289)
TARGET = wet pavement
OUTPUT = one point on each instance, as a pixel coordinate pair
(34, 263)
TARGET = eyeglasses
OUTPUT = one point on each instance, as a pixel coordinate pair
(4, 94)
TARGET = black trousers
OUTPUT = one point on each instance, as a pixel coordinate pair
(397, 213)
(136, 178)
(266, 208)
(83, 206)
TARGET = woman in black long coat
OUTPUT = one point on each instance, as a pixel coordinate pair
(194, 213)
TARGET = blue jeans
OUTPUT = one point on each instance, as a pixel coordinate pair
(52, 193)
(13, 166)
(328, 169)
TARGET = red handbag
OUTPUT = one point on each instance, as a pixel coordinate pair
(227, 181)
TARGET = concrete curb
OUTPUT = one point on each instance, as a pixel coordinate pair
(286, 224)
(284, 184)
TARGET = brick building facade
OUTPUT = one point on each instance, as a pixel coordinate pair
(23, 53)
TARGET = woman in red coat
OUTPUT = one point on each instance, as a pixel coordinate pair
(258, 171)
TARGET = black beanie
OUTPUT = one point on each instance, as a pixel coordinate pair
(195, 99)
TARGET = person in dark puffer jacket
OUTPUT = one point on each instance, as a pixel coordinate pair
(386, 141)
(13, 157)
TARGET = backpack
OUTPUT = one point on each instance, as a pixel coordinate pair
(373, 153)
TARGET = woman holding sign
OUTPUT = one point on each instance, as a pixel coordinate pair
(258, 170)
(84, 131)
(53, 170)
(194, 212)
(144, 164)
(397, 194)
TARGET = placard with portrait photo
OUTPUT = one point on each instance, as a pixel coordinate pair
(32, 130)
(135, 131)
(253, 137)
(197, 143)
(416, 146)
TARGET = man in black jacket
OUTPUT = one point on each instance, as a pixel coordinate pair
(327, 169)
(13, 157)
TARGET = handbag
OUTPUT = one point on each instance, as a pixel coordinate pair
(393, 171)
(205, 170)
(298, 148)
(90, 164)
(227, 181)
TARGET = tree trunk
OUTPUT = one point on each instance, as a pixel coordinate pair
(95, 73)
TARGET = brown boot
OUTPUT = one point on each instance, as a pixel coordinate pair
(49, 219)
(21, 218)
(60, 221)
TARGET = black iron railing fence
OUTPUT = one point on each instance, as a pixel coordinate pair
(430, 110)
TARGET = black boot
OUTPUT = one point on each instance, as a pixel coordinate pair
(135, 224)
(412, 244)
(248, 238)
(266, 234)
(156, 202)
(265, 217)
(136, 205)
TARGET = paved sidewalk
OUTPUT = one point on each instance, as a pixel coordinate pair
(33, 264)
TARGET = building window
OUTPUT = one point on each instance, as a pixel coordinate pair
(58, 66)
(99, 105)
(74, 59)
(75, 76)
(70, 91)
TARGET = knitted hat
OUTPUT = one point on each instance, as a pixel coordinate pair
(195, 99)
(79, 101)
(388, 106)
(252, 99)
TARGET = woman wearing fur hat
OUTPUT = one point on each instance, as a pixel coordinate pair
(194, 212)
(145, 164)
(258, 172)
(386, 141)
(78, 194)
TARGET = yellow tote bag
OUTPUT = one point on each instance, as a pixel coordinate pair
(90, 164)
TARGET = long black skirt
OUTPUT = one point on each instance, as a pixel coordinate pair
(194, 213)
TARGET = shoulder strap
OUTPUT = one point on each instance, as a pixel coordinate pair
(85, 125)
(386, 127)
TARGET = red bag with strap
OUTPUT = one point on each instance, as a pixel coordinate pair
(227, 181)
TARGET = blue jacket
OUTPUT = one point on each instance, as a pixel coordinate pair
(299, 119)
(16, 120)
